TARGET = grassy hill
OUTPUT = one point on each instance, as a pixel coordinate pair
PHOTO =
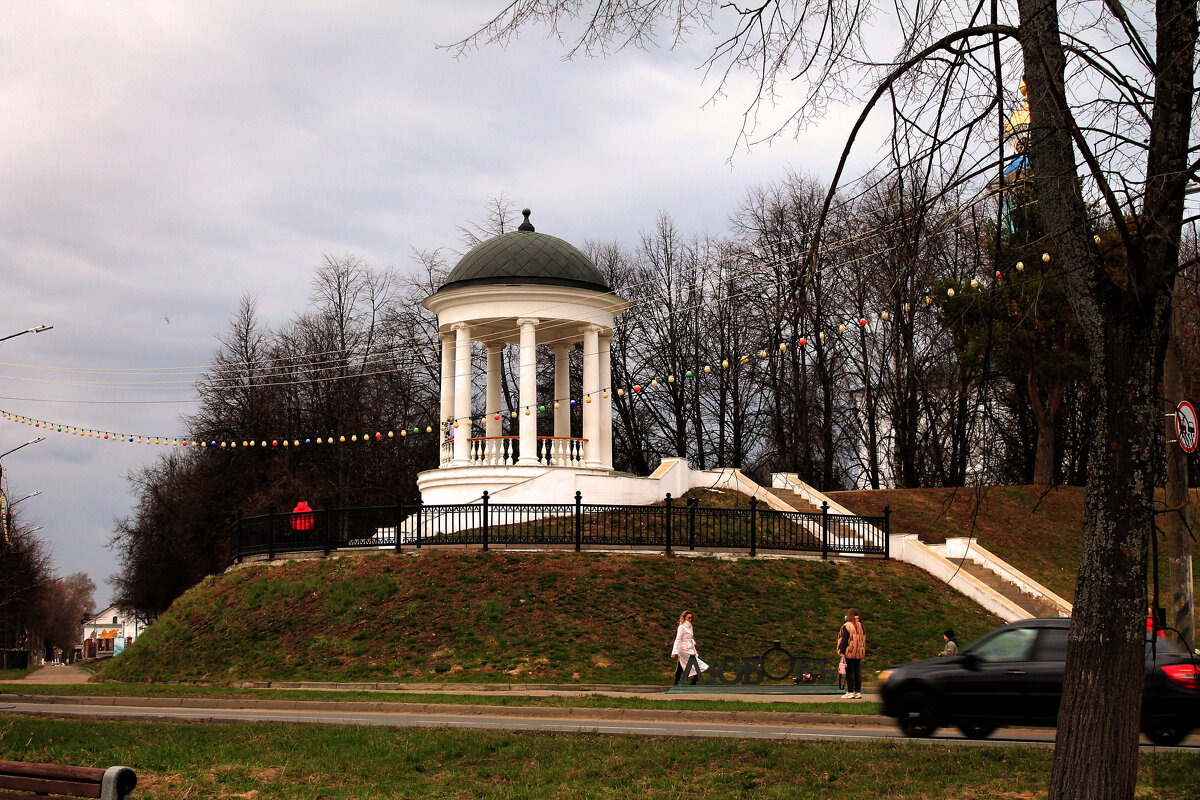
(501, 616)
(1034, 528)
(531, 617)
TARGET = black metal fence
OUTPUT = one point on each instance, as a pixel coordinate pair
(672, 526)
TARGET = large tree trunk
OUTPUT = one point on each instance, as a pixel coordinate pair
(1045, 417)
(1043, 463)
(1096, 752)
(1123, 304)
(1096, 747)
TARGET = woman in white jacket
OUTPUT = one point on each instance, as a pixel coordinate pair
(684, 648)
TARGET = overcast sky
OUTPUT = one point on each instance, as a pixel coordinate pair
(158, 160)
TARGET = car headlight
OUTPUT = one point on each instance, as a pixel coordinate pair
(883, 676)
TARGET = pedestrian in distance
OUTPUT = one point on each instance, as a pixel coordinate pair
(852, 645)
(951, 648)
(685, 648)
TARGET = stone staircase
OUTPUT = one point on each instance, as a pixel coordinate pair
(794, 500)
(1036, 606)
(964, 565)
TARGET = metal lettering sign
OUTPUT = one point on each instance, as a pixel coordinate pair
(776, 664)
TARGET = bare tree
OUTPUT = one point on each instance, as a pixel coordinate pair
(68, 602)
(672, 272)
(1111, 122)
(26, 574)
(733, 403)
(631, 425)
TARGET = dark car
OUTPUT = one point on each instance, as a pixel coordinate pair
(1014, 676)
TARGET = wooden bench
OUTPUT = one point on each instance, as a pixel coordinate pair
(23, 781)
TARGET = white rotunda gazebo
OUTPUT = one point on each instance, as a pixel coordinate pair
(522, 289)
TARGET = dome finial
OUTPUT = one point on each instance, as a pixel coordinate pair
(526, 225)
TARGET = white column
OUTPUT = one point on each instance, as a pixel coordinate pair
(562, 391)
(462, 394)
(606, 402)
(492, 407)
(528, 410)
(591, 396)
(447, 408)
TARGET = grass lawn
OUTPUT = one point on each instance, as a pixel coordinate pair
(269, 761)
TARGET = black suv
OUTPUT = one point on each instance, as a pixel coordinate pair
(1014, 676)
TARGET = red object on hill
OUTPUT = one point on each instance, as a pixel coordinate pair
(302, 517)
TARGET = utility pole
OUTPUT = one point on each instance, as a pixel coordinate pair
(1175, 523)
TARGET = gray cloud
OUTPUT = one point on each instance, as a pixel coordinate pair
(161, 159)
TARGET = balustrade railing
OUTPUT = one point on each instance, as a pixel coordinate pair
(502, 451)
(668, 527)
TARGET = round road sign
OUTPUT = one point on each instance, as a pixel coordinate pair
(1185, 426)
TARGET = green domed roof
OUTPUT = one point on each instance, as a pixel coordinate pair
(525, 256)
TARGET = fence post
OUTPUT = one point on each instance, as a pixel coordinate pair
(399, 521)
(668, 523)
(578, 520)
(324, 518)
(236, 544)
(692, 503)
(753, 527)
(270, 532)
(824, 529)
(420, 520)
(485, 519)
(887, 531)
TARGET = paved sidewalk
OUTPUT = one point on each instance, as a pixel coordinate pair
(779, 694)
(61, 676)
(390, 702)
(47, 703)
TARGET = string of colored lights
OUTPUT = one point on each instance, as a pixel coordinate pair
(636, 388)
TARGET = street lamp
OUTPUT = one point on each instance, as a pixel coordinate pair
(26, 497)
(18, 447)
(38, 329)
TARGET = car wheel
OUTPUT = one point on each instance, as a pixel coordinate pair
(1166, 732)
(917, 719)
(976, 730)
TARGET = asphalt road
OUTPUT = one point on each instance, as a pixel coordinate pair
(576, 722)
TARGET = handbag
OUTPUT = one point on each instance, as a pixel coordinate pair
(842, 666)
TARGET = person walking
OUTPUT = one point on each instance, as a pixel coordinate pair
(951, 648)
(852, 645)
(684, 648)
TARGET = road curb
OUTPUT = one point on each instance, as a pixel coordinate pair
(465, 710)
